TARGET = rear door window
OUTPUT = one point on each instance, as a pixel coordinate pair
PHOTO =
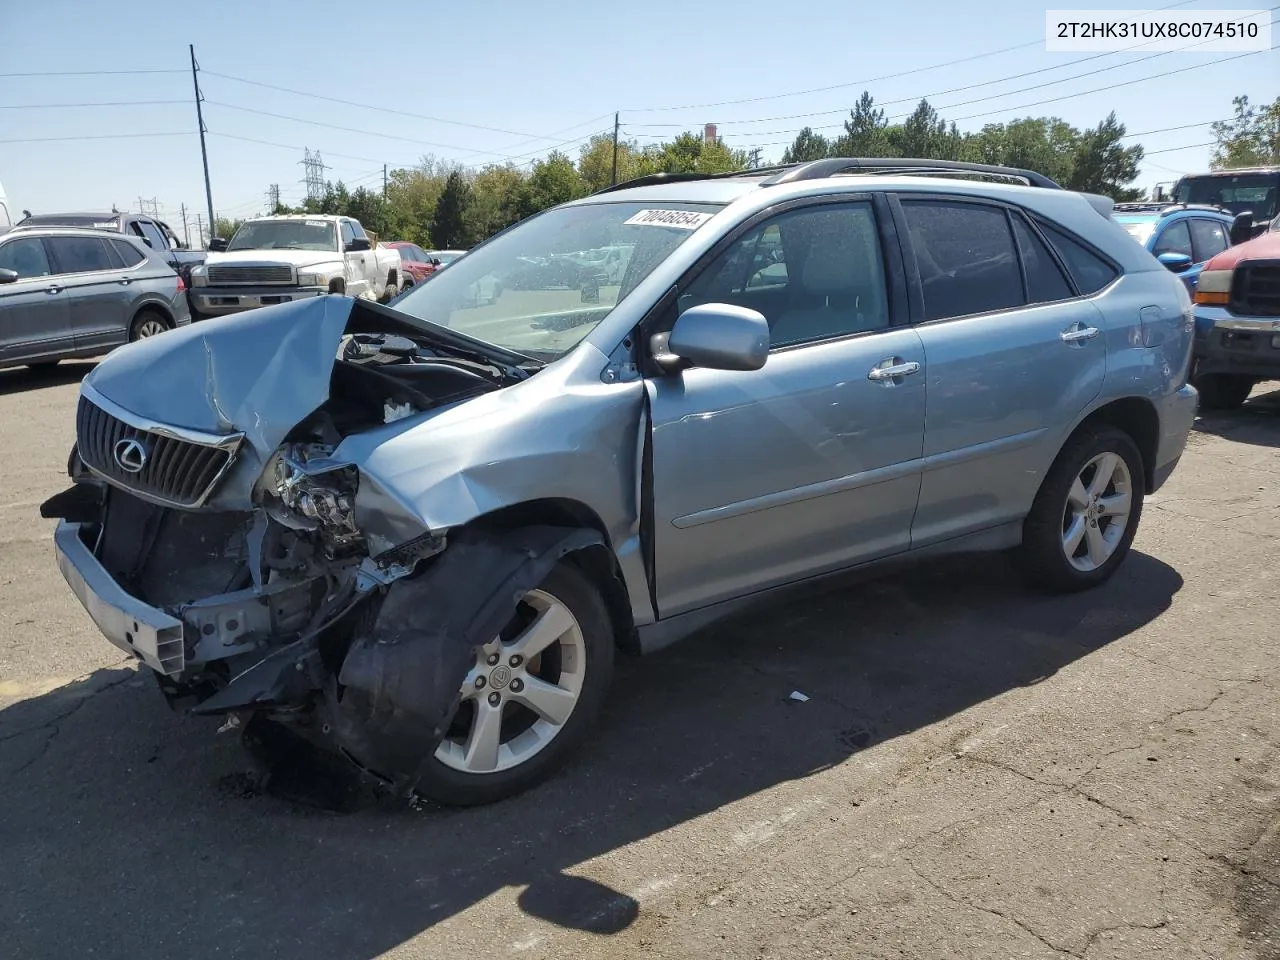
(1045, 280)
(1090, 271)
(81, 254)
(966, 256)
(127, 252)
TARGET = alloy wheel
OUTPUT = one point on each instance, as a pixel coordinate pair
(1097, 511)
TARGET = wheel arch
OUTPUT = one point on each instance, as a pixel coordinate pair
(1137, 417)
(155, 306)
(598, 562)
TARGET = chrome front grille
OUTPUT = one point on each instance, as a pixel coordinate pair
(167, 465)
(233, 275)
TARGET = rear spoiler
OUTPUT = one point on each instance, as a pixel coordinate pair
(1104, 205)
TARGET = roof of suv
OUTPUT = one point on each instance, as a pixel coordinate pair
(55, 230)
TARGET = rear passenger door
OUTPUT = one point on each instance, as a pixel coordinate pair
(97, 290)
(1013, 353)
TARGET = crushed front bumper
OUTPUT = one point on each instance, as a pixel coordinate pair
(148, 633)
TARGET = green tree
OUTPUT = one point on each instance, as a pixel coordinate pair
(1101, 163)
(497, 192)
(807, 146)
(371, 210)
(595, 161)
(1249, 139)
(449, 220)
(866, 132)
(922, 135)
(225, 227)
(553, 180)
(691, 153)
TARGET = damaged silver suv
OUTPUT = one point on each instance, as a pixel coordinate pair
(416, 534)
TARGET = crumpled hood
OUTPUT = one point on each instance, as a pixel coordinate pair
(260, 372)
(294, 258)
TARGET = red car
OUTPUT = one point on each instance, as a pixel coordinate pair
(417, 264)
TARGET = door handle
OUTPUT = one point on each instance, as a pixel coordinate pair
(53, 288)
(1079, 335)
(125, 281)
(893, 370)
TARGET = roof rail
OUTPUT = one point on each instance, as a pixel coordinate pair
(657, 179)
(833, 166)
(1168, 207)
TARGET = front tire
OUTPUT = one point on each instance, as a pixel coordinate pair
(1223, 391)
(531, 698)
(1085, 516)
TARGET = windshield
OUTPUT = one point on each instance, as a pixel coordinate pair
(531, 290)
(1140, 230)
(285, 235)
(1254, 192)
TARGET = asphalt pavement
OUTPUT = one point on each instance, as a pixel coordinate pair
(979, 771)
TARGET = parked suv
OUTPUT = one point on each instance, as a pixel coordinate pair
(76, 293)
(1183, 237)
(416, 534)
(153, 233)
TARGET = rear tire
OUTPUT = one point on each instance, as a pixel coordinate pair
(585, 648)
(147, 323)
(1223, 391)
(1086, 513)
(44, 366)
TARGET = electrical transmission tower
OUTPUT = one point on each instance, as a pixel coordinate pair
(313, 177)
(273, 198)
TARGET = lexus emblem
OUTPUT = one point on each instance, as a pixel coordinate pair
(131, 456)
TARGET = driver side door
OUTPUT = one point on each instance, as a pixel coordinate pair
(811, 463)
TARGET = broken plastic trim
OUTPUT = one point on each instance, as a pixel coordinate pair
(400, 684)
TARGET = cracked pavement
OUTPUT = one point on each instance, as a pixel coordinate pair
(980, 771)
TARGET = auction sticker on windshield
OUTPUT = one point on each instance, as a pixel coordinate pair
(680, 219)
(317, 223)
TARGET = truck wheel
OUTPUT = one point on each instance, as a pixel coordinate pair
(1086, 512)
(147, 324)
(338, 285)
(390, 290)
(544, 680)
(1223, 391)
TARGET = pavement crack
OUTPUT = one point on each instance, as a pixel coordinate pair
(1116, 928)
(1190, 673)
(992, 911)
(54, 724)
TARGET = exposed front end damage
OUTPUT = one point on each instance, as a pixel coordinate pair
(225, 537)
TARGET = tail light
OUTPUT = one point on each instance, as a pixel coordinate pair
(182, 285)
(1213, 288)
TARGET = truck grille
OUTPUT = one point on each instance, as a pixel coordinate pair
(174, 471)
(1255, 289)
(218, 274)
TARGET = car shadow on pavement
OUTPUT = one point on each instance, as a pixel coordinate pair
(131, 830)
(22, 379)
(1256, 423)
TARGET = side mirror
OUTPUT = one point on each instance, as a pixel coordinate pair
(357, 244)
(718, 336)
(435, 261)
(218, 244)
(8, 276)
(1176, 262)
(1241, 228)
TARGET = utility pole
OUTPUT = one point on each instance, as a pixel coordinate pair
(186, 236)
(384, 181)
(200, 230)
(754, 162)
(614, 178)
(273, 198)
(204, 152)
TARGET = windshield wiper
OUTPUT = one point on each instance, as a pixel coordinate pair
(417, 328)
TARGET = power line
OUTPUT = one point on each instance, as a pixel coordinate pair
(107, 103)
(367, 106)
(855, 83)
(85, 73)
(103, 136)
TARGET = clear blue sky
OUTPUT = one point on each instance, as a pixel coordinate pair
(537, 74)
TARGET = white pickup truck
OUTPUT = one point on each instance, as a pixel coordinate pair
(273, 260)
